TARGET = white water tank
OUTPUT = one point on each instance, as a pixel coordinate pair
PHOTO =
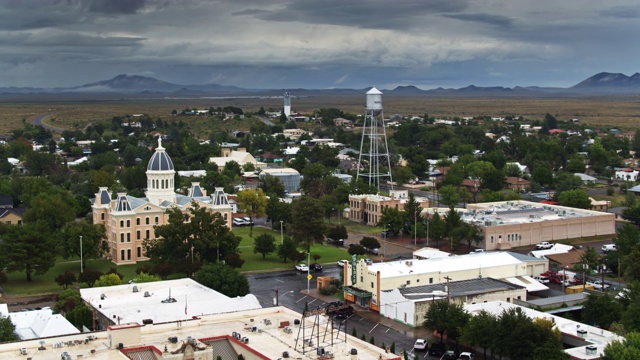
(374, 100)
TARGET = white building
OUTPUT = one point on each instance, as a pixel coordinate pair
(35, 324)
(409, 305)
(364, 283)
(160, 302)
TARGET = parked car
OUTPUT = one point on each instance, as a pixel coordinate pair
(238, 222)
(608, 247)
(336, 242)
(542, 279)
(342, 263)
(450, 355)
(302, 267)
(598, 285)
(368, 261)
(374, 251)
(544, 245)
(465, 356)
(437, 349)
(247, 220)
(420, 344)
(315, 267)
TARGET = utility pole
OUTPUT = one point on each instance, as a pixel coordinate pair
(281, 234)
(448, 289)
(81, 254)
(415, 228)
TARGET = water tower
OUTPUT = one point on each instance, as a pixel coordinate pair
(374, 149)
(287, 104)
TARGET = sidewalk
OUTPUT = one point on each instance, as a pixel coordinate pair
(374, 317)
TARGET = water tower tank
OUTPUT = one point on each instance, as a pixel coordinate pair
(374, 100)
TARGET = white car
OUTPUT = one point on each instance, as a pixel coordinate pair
(302, 267)
(542, 279)
(465, 356)
(420, 344)
(598, 285)
(239, 222)
(608, 247)
(342, 263)
(544, 245)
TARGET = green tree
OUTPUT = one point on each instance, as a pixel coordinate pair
(92, 235)
(632, 214)
(253, 203)
(357, 250)
(27, 248)
(190, 238)
(108, 280)
(89, 277)
(264, 244)
(66, 279)
(445, 317)
(272, 186)
(625, 349)
(627, 238)
(223, 279)
(575, 198)
(288, 249)
(479, 331)
(392, 219)
(7, 330)
(472, 234)
(369, 242)
(601, 309)
(145, 278)
(337, 232)
(307, 223)
(437, 228)
(449, 195)
(277, 211)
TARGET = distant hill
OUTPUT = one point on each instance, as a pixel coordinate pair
(610, 80)
(145, 87)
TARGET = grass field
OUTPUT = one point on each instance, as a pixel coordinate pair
(45, 284)
(73, 114)
(17, 284)
(254, 262)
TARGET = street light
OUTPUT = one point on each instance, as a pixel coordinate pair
(281, 234)
(81, 254)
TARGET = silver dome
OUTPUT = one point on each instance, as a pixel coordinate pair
(160, 160)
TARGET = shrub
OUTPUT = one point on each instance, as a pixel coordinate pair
(329, 290)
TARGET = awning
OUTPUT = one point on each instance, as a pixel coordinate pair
(357, 292)
(528, 282)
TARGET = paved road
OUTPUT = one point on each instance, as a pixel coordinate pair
(292, 286)
(37, 121)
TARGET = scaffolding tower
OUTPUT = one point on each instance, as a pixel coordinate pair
(374, 164)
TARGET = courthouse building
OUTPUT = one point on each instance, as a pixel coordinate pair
(129, 220)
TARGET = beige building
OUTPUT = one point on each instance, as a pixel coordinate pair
(364, 283)
(128, 220)
(241, 156)
(367, 208)
(509, 224)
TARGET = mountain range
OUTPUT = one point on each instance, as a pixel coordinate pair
(141, 86)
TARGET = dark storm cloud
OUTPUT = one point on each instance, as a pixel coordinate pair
(363, 14)
(623, 12)
(116, 6)
(489, 19)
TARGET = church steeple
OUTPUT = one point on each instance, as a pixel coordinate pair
(160, 176)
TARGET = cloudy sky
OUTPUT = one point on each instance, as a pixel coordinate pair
(318, 43)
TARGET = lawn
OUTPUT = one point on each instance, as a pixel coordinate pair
(45, 284)
(254, 262)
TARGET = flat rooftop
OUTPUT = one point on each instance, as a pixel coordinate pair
(519, 212)
(444, 264)
(133, 303)
(212, 334)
